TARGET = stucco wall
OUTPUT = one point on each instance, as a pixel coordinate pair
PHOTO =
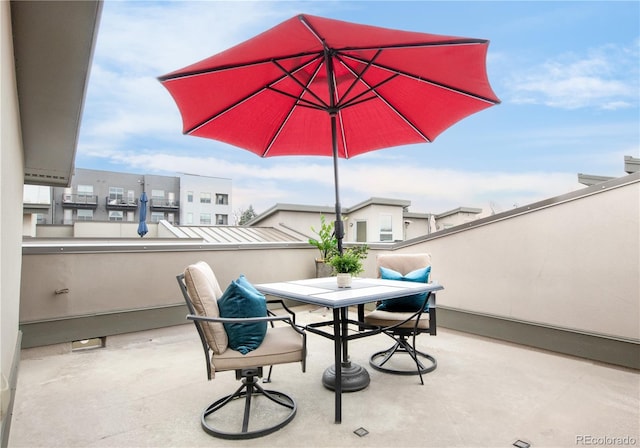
(11, 172)
(110, 280)
(573, 265)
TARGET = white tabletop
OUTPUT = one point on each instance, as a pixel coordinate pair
(325, 292)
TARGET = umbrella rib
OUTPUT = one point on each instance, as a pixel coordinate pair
(390, 106)
(250, 95)
(359, 75)
(223, 111)
(355, 100)
(401, 46)
(305, 88)
(220, 68)
(426, 80)
(309, 104)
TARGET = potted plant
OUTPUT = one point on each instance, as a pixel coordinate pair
(348, 264)
(327, 244)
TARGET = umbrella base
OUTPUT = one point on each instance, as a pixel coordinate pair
(354, 377)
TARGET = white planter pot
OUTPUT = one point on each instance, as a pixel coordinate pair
(344, 280)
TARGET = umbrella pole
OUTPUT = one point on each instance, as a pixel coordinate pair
(339, 224)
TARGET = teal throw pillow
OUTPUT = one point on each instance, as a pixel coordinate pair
(241, 299)
(409, 303)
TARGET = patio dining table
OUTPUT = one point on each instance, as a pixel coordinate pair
(326, 293)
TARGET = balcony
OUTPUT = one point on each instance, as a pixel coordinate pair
(537, 339)
(121, 204)
(81, 201)
(164, 205)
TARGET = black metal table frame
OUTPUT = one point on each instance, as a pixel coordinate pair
(341, 324)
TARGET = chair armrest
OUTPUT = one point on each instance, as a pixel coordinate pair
(284, 306)
(431, 300)
(238, 320)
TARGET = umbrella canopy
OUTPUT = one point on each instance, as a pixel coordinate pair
(317, 86)
(142, 226)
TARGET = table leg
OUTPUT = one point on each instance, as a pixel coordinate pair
(343, 336)
(338, 343)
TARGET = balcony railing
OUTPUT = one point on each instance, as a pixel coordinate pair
(75, 200)
(164, 204)
(121, 204)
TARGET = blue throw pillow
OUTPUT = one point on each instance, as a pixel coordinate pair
(409, 303)
(241, 299)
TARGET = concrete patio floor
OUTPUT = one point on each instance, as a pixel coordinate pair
(148, 389)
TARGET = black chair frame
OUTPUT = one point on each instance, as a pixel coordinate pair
(401, 344)
(250, 387)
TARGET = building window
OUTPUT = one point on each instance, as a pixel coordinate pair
(222, 199)
(222, 220)
(116, 194)
(131, 216)
(85, 215)
(189, 218)
(115, 215)
(205, 198)
(157, 194)
(386, 229)
(205, 219)
(67, 196)
(189, 196)
(85, 192)
(157, 216)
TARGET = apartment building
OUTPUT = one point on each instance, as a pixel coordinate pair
(109, 196)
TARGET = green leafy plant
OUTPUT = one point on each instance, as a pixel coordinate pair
(350, 262)
(326, 242)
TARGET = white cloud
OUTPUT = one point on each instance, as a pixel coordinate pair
(268, 181)
(606, 78)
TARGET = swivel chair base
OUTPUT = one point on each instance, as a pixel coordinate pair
(250, 390)
(379, 359)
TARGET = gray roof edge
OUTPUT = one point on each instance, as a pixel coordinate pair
(459, 210)
(289, 207)
(379, 201)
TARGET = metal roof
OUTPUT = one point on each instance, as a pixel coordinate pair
(236, 234)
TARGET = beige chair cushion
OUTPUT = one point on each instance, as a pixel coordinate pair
(403, 263)
(387, 318)
(204, 292)
(281, 345)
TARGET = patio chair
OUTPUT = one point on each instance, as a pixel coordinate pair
(403, 318)
(251, 411)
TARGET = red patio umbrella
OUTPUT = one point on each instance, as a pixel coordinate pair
(317, 86)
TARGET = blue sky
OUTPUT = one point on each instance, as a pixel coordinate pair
(567, 73)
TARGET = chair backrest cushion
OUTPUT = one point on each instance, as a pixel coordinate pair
(241, 299)
(403, 263)
(404, 267)
(204, 292)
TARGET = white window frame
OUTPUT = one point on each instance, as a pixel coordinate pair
(386, 227)
(84, 215)
(116, 215)
(222, 220)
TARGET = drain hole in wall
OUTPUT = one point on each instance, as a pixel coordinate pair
(88, 344)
